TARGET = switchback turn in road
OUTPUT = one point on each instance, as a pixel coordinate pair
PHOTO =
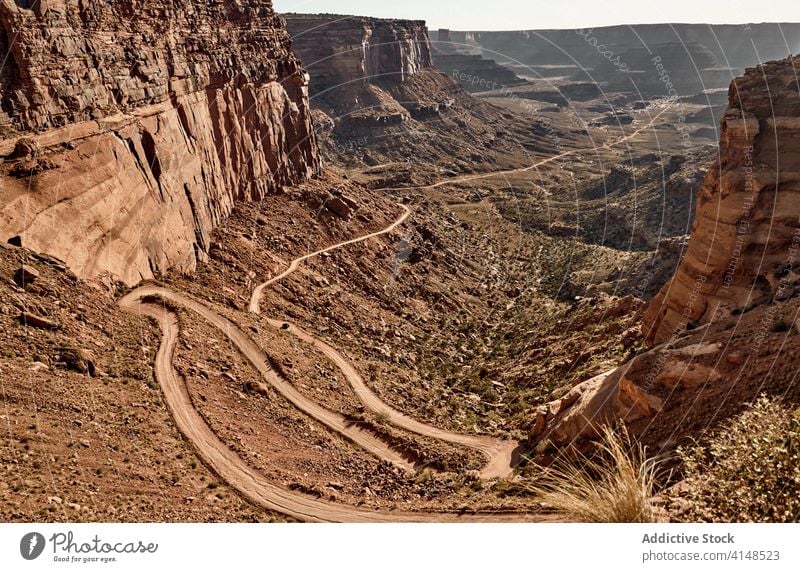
(499, 452)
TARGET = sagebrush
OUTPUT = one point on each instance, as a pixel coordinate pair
(748, 471)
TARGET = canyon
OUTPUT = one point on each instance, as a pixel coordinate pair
(305, 267)
(735, 281)
(144, 143)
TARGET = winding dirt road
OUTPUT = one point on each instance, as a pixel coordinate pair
(248, 481)
(255, 299)
(253, 353)
(234, 470)
(499, 453)
(492, 174)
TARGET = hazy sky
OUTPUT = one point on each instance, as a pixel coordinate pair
(541, 14)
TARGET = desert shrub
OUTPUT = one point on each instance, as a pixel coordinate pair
(748, 471)
(614, 485)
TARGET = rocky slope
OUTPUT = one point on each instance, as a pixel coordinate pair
(130, 134)
(87, 435)
(737, 276)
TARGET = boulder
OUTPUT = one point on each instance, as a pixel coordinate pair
(338, 207)
(77, 359)
(349, 201)
(25, 148)
(589, 406)
(25, 275)
(29, 319)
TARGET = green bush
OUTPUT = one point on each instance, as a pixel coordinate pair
(749, 471)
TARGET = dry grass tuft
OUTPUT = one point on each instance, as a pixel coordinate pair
(615, 485)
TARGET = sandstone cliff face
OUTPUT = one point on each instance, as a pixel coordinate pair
(143, 125)
(743, 255)
(745, 243)
(358, 64)
(341, 51)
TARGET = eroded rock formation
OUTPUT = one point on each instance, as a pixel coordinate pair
(355, 50)
(745, 243)
(743, 254)
(131, 130)
(358, 63)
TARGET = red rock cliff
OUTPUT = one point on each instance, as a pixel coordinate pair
(344, 50)
(132, 127)
(744, 252)
(745, 243)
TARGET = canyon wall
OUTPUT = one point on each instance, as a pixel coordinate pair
(368, 73)
(346, 50)
(130, 129)
(378, 98)
(695, 57)
(745, 243)
(738, 275)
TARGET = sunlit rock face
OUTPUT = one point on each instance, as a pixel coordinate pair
(745, 243)
(141, 128)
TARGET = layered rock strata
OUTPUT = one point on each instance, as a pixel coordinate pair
(344, 50)
(132, 129)
(745, 243)
(743, 252)
(357, 65)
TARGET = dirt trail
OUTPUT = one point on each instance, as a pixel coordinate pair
(255, 299)
(234, 470)
(492, 174)
(252, 484)
(498, 452)
(252, 352)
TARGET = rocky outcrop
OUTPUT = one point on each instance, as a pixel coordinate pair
(745, 243)
(743, 254)
(142, 126)
(358, 64)
(342, 51)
